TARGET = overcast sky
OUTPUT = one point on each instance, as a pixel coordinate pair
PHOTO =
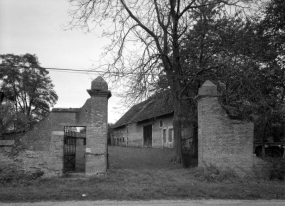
(37, 27)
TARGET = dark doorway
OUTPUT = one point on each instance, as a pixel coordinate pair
(147, 135)
(74, 149)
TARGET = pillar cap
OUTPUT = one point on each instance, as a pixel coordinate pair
(208, 89)
(99, 84)
(99, 87)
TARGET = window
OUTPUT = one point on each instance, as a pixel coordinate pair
(161, 123)
(164, 135)
(170, 135)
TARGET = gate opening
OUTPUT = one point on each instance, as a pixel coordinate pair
(147, 135)
(74, 149)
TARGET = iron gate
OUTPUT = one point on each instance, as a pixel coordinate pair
(69, 151)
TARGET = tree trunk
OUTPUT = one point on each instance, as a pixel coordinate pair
(263, 139)
(177, 126)
(195, 141)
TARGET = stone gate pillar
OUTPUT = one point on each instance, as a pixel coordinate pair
(222, 142)
(97, 126)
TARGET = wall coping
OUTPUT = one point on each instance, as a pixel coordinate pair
(199, 97)
(99, 93)
(74, 124)
(65, 110)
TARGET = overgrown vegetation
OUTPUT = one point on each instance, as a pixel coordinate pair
(127, 184)
(277, 169)
(141, 174)
(18, 178)
(213, 174)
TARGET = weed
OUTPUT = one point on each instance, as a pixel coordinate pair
(214, 174)
(15, 177)
(277, 169)
(137, 179)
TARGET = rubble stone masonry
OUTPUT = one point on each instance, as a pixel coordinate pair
(222, 142)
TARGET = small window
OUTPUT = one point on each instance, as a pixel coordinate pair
(161, 123)
(127, 129)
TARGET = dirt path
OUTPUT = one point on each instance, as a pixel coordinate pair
(141, 158)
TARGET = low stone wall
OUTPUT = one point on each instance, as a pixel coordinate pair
(50, 162)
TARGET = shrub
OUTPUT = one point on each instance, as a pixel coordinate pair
(15, 177)
(214, 174)
(277, 169)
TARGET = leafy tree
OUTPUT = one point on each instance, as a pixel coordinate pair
(7, 117)
(274, 25)
(247, 57)
(22, 78)
(145, 42)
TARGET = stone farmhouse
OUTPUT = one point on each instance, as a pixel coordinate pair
(149, 124)
(68, 140)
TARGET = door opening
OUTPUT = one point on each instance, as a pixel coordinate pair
(147, 135)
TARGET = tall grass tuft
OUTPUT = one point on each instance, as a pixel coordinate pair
(19, 178)
(277, 169)
(214, 174)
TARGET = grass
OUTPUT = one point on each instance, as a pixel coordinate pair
(138, 178)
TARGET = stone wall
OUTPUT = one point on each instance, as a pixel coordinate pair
(222, 142)
(39, 138)
(48, 161)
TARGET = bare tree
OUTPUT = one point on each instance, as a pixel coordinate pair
(145, 42)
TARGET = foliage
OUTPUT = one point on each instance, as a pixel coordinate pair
(241, 57)
(7, 117)
(255, 85)
(16, 178)
(277, 170)
(214, 174)
(274, 24)
(22, 78)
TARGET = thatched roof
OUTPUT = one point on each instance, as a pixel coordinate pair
(156, 106)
